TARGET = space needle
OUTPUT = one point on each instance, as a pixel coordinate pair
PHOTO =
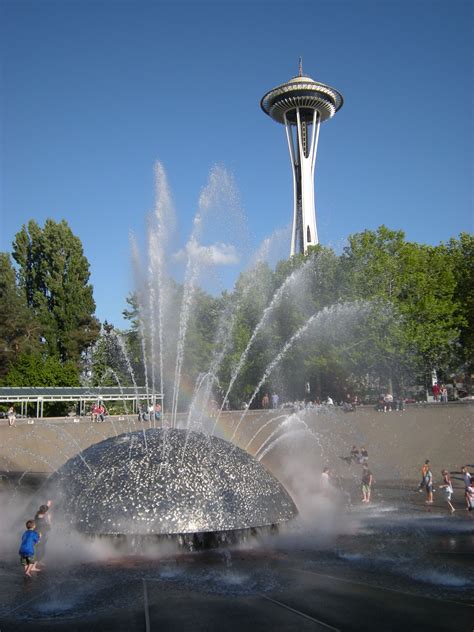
(301, 105)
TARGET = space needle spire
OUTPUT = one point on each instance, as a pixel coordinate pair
(301, 105)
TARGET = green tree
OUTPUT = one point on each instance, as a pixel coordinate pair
(19, 329)
(253, 292)
(54, 276)
(461, 254)
(414, 325)
(34, 370)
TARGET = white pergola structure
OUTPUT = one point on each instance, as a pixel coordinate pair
(26, 397)
(301, 105)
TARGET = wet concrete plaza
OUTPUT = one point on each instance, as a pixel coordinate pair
(393, 565)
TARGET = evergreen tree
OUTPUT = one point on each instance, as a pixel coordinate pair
(54, 276)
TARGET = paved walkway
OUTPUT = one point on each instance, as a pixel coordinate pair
(394, 569)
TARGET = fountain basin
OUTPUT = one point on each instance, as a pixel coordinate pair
(166, 482)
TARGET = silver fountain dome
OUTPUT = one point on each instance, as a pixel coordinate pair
(166, 482)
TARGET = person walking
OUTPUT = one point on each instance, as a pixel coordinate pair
(429, 486)
(325, 482)
(469, 495)
(157, 411)
(467, 478)
(424, 469)
(447, 488)
(367, 480)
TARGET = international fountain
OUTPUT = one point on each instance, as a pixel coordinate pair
(181, 480)
(185, 480)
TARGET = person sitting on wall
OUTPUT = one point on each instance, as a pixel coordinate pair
(142, 413)
(101, 412)
(157, 411)
(388, 402)
(400, 404)
(94, 413)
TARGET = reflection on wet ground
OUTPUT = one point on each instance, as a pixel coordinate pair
(395, 565)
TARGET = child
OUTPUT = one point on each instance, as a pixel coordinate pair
(429, 486)
(447, 488)
(467, 478)
(43, 527)
(424, 469)
(355, 454)
(470, 497)
(29, 539)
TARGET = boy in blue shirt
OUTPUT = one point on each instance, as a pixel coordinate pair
(29, 540)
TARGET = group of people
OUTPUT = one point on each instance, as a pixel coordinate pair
(274, 401)
(440, 393)
(367, 480)
(98, 413)
(446, 486)
(152, 412)
(33, 541)
(387, 402)
(356, 456)
(361, 457)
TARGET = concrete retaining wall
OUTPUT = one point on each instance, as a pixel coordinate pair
(398, 442)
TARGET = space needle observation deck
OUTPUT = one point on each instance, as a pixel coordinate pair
(301, 105)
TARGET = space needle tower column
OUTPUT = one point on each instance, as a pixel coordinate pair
(301, 105)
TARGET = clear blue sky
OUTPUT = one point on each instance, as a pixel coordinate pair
(94, 92)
